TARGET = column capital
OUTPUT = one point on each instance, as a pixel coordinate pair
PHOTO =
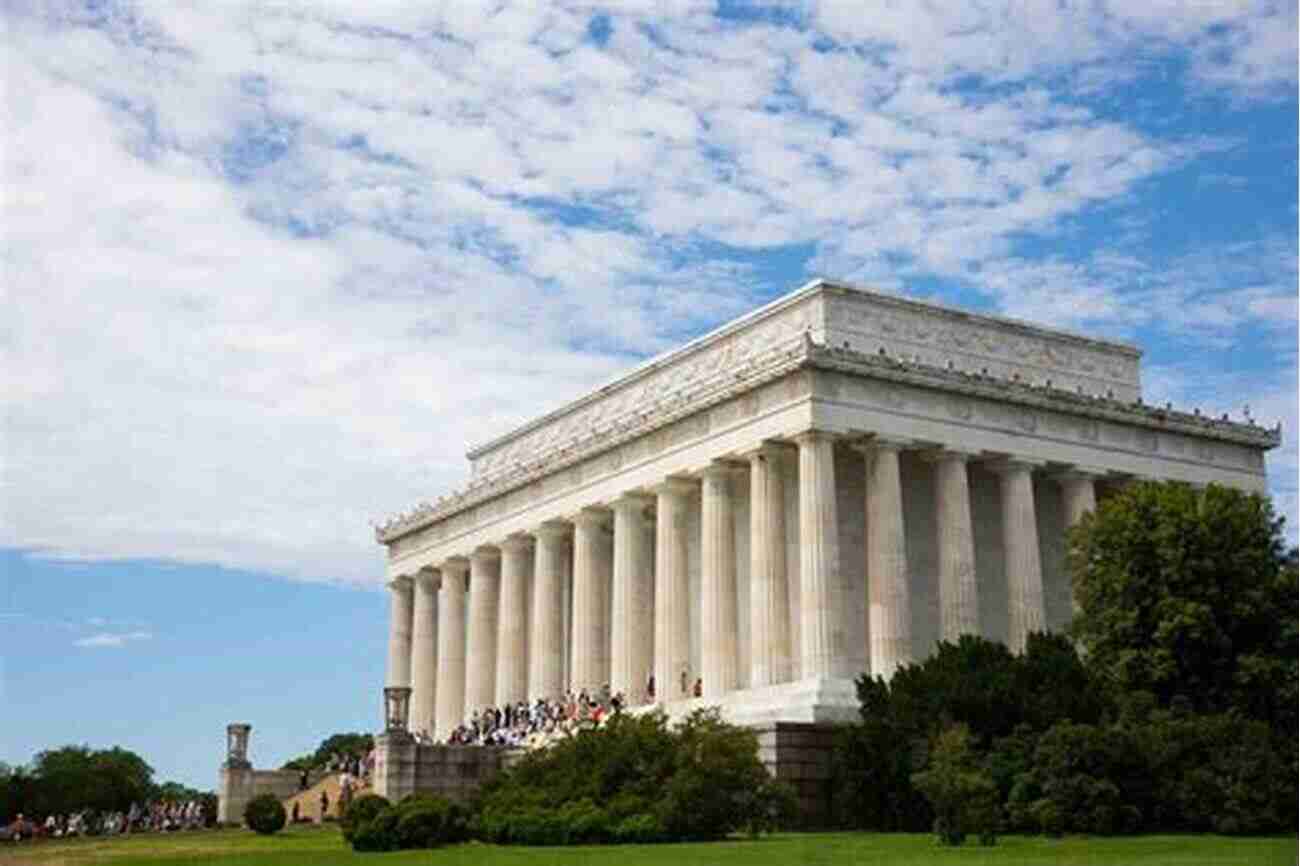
(722, 469)
(551, 529)
(766, 449)
(454, 565)
(633, 499)
(812, 434)
(517, 542)
(1010, 465)
(591, 515)
(402, 582)
(428, 577)
(488, 552)
(873, 442)
(936, 455)
(676, 484)
(1078, 473)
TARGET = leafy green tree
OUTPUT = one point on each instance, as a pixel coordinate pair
(355, 745)
(964, 798)
(1189, 595)
(75, 777)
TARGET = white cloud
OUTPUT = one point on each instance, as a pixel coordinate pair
(112, 640)
(270, 269)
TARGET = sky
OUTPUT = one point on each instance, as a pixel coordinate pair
(271, 268)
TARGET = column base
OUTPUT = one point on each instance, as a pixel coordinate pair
(816, 700)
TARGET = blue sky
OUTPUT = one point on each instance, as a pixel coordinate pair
(270, 270)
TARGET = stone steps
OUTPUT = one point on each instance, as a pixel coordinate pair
(309, 800)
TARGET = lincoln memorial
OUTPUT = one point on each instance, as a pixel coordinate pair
(824, 487)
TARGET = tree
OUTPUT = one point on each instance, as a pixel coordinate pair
(76, 777)
(1189, 595)
(963, 797)
(356, 745)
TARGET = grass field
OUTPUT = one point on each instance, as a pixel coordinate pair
(324, 847)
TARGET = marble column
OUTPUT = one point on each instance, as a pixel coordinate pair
(424, 653)
(888, 589)
(546, 640)
(672, 614)
(401, 606)
(770, 650)
(958, 590)
(632, 631)
(1079, 493)
(1079, 496)
(484, 601)
(591, 587)
(718, 627)
(821, 628)
(512, 639)
(451, 647)
(1024, 567)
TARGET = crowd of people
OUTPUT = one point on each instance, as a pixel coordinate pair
(525, 725)
(156, 817)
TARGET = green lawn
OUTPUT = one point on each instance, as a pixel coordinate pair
(324, 847)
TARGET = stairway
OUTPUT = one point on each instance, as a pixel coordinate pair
(309, 800)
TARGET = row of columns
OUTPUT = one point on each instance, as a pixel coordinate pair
(627, 625)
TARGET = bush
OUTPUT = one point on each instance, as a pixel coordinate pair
(359, 811)
(264, 814)
(964, 798)
(377, 834)
(427, 822)
(635, 780)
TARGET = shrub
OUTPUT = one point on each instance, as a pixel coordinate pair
(426, 822)
(359, 811)
(264, 814)
(379, 833)
(963, 797)
(635, 780)
(641, 828)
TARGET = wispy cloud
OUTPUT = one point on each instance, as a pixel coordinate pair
(273, 267)
(112, 640)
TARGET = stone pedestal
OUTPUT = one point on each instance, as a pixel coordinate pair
(234, 790)
(395, 759)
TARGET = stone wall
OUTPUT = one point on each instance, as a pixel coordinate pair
(237, 785)
(403, 767)
(800, 754)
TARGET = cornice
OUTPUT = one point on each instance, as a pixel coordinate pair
(973, 384)
(802, 352)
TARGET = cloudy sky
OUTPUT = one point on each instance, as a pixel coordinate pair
(269, 269)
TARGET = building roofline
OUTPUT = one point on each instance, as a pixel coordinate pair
(772, 307)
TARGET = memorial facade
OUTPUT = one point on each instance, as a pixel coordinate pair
(824, 487)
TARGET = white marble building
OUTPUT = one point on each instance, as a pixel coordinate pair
(826, 486)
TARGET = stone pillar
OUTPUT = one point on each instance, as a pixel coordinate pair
(632, 631)
(424, 654)
(512, 640)
(451, 647)
(821, 629)
(400, 610)
(770, 650)
(672, 614)
(958, 591)
(546, 641)
(591, 579)
(718, 626)
(1079, 495)
(1079, 491)
(888, 589)
(484, 599)
(1026, 612)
